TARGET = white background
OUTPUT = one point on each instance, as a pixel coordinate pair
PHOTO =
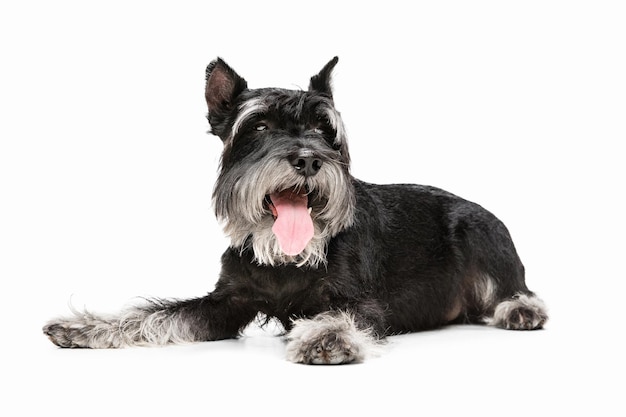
(106, 174)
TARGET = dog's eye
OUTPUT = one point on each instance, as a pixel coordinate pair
(260, 127)
(319, 130)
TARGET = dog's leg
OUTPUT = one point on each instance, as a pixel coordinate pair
(157, 322)
(507, 304)
(331, 338)
(495, 287)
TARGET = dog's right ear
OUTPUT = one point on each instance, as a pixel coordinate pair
(223, 85)
(321, 82)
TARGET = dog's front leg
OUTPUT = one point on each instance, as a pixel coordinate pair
(332, 338)
(153, 323)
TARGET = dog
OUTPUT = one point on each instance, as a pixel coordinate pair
(340, 263)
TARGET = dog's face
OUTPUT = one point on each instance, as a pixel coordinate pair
(284, 187)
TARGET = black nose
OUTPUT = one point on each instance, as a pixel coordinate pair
(305, 164)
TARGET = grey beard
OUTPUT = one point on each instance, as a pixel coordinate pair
(239, 197)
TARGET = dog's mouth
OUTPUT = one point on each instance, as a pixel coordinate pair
(293, 225)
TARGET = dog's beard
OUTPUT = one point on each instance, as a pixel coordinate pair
(242, 204)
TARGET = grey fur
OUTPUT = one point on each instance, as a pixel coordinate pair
(330, 338)
(149, 324)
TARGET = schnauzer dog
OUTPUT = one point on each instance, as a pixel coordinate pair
(339, 262)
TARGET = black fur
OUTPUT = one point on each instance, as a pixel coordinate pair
(394, 258)
(412, 251)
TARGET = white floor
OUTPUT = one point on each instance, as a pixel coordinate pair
(462, 369)
(105, 192)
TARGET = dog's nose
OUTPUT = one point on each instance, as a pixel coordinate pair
(305, 164)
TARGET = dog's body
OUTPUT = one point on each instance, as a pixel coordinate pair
(339, 262)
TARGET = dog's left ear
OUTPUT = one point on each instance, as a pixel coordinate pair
(223, 85)
(321, 82)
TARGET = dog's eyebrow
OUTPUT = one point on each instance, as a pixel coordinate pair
(335, 121)
(248, 108)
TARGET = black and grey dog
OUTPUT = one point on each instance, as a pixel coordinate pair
(340, 263)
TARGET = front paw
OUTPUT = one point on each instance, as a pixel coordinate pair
(83, 330)
(329, 339)
(65, 336)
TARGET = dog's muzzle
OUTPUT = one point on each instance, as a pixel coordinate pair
(293, 225)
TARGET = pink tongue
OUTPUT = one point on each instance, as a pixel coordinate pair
(293, 226)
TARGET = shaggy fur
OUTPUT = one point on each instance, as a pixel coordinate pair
(339, 262)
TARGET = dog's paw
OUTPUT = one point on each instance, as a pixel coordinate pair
(329, 339)
(66, 336)
(329, 348)
(83, 330)
(520, 313)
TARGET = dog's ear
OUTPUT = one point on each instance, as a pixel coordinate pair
(321, 82)
(223, 85)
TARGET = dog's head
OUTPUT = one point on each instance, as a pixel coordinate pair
(284, 186)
